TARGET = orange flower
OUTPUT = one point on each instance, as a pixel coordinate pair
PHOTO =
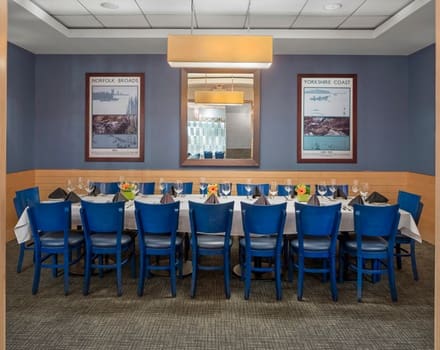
(212, 189)
(301, 189)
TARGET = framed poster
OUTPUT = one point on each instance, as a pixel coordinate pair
(326, 118)
(114, 117)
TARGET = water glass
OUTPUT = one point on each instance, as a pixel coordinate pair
(70, 185)
(178, 187)
(226, 188)
(161, 185)
(203, 186)
(322, 189)
(248, 188)
(273, 189)
(364, 190)
(355, 187)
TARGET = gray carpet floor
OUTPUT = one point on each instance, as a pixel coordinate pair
(101, 320)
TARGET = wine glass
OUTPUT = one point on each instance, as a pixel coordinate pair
(90, 187)
(332, 188)
(226, 188)
(355, 187)
(161, 185)
(248, 187)
(203, 185)
(363, 189)
(70, 185)
(135, 188)
(80, 184)
(178, 187)
(288, 187)
(322, 189)
(273, 189)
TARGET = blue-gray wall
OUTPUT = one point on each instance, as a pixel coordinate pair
(386, 105)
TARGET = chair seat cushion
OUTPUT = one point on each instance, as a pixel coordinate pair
(260, 243)
(313, 243)
(369, 244)
(108, 239)
(56, 239)
(160, 241)
(211, 241)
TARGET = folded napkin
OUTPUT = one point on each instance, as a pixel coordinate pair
(356, 200)
(257, 192)
(212, 199)
(73, 197)
(58, 193)
(314, 200)
(166, 198)
(95, 191)
(376, 197)
(172, 191)
(119, 197)
(340, 193)
(262, 200)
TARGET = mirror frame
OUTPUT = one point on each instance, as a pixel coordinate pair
(246, 162)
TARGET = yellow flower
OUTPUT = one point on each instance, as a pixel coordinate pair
(301, 189)
(212, 189)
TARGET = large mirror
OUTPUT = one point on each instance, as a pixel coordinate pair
(220, 117)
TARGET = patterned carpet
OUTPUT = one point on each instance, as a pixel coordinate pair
(101, 320)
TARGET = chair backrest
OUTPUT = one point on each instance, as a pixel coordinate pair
(263, 219)
(157, 218)
(263, 189)
(187, 187)
(219, 155)
(207, 154)
(317, 220)
(411, 203)
(50, 217)
(211, 218)
(25, 198)
(107, 187)
(102, 217)
(376, 221)
(146, 187)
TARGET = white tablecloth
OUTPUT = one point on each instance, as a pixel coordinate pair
(406, 224)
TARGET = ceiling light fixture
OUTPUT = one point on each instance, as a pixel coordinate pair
(219, 51)
(109, 5)
(333, 6)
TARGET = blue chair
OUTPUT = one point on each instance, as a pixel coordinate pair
(211, 235)
(263, 227)
(50, 224)
(263, 189)
(207, 154)
(317, 228)
(103, 225)
(24, 198)
(375, 233)
(412, 204)
(157, 236)
(107, 187)
(146, 187)
(187, 187)
(219, 155)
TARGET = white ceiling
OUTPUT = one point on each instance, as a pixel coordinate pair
(377, 27)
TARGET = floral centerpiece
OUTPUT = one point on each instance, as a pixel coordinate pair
(302, 192)
(128, 190)
(212, 189)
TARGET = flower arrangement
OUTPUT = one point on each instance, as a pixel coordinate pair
(212, 189)
(302, 192)
(128, 190)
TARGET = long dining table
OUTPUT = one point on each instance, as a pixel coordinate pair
(407, 226)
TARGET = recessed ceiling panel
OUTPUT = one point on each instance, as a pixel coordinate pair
(221, 6)
(112, 7)
(363, 22)
(270, 21)
(57, 7)
(277, 6)
(317, 7)
(220, 21)
(170, 21)
(86, 21)
(319, 22)
(165, 6)
(124, 21)
(382, 7)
